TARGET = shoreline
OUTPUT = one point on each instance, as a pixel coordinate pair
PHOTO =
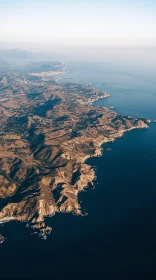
(76, 174)
(111, 140)
(84, 161)
(97, 99)
(6, 220)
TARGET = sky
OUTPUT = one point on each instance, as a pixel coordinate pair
(60, 24)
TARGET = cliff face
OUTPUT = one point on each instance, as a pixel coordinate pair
(46, 132)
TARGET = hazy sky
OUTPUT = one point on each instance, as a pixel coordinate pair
(46, 24)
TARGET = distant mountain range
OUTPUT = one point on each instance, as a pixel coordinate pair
(23, 61)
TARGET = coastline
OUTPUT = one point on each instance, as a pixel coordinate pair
(98, 98)
(111, 140)
(72, 174)
(84, 161)
(6, 220)
(119, 135)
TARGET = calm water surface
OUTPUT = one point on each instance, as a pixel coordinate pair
(118, 236)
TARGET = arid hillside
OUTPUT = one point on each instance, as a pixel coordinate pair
(47, 130)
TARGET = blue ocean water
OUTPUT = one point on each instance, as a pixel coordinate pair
(132, 92)
(117, 239)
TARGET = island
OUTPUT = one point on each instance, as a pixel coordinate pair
(48, 129)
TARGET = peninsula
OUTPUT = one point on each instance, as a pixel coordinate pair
(47, 131)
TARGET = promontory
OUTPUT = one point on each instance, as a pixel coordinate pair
(47, 130)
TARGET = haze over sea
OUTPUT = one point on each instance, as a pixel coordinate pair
(118, 236)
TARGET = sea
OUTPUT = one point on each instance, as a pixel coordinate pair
(117, 237)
